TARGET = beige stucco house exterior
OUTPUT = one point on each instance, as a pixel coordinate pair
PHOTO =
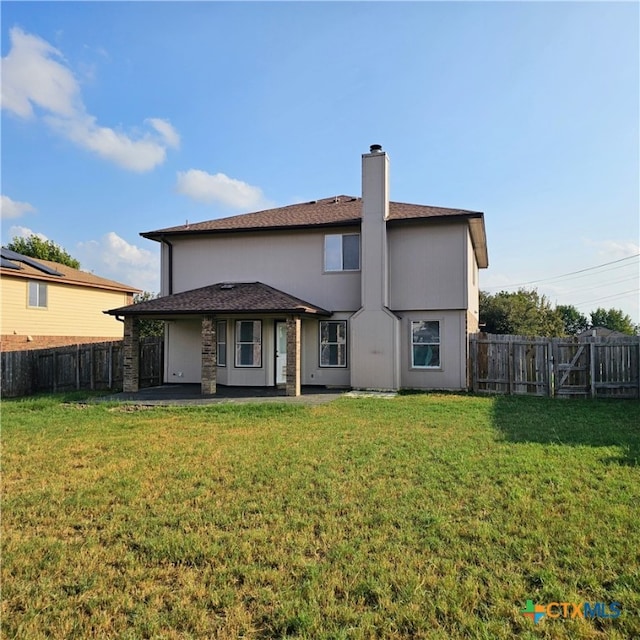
(46, 304)
(357, 292)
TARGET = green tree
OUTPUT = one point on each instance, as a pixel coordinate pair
(523, 312)
(36, 247)
(574, 321)
(613, 319)
(148, 328)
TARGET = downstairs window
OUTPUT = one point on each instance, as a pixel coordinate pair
(333, 343)
(425, 344)
(248, 343)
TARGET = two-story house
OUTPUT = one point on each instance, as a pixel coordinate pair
(47, 304)
(346, 291)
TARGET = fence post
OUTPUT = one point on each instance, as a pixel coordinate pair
(78, 367)
(474, 364)
(110, 365)
(638, 362)
(55, 371)
(92, 381)
(510, 367)
(551, 361)
(592, 368)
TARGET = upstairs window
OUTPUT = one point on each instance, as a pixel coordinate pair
(248, 343)
(425, 344)
(333, 343)
(342, 252)
(38, 294)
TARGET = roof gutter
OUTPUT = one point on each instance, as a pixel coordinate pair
(158, 237)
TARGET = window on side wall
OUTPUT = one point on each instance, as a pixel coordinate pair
(221, 337)
(333, 343)
(425, 344)
(342, 252)
(248, 343)
(38, 294)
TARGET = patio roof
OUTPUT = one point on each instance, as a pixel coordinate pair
(223, 297)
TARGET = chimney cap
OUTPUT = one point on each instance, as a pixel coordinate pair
(375, 148)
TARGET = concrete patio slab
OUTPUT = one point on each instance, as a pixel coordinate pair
(190, 394)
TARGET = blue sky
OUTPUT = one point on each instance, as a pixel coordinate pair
(119, 118)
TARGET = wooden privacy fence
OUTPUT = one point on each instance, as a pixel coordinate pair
(96, 365)
(594, 367)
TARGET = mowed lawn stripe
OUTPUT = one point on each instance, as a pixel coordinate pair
(424, 516)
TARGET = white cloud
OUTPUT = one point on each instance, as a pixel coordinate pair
(137, 155)
(16, 231)
(31, 74)
(13, 209)
(34, 73)
(113, 257)
(168, 133)
(613, 249)
(205, 187)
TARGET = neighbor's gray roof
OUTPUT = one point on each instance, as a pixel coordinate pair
(223, 297)
(330, 212)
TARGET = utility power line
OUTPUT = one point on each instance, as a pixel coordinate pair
(594, 286)
(615, 295)
(565, 275)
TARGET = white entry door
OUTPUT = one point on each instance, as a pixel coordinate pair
(281, 352)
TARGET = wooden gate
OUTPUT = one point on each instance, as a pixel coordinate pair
(571, 369)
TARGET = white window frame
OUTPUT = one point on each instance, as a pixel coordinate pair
(221, 339)
(425, 343)
(40, 291)
(329, 238)
(324, 345)
(257, 345)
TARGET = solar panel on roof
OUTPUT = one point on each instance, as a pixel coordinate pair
(7, 254)
(7, 264)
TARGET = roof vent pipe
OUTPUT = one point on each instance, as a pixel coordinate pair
(375, 148)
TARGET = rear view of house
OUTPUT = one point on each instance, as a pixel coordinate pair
(346, 291)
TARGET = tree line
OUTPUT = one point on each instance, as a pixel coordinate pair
(527, 313)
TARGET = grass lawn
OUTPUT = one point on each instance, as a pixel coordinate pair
(425, 516)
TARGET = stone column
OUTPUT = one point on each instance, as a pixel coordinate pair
(131, 353)
(209, 355)
(293, 356)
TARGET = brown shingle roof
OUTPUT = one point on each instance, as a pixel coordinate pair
(224, 297)
(340, 210)
(68, 276)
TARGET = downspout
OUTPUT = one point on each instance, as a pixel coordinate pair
(165, 373)
(169, 265)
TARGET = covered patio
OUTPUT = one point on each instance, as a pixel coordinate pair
(208, 304)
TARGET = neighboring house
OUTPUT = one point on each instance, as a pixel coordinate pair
(345, 291)
(46, 304)
(601, 332)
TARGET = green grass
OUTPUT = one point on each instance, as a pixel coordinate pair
(425, 516)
